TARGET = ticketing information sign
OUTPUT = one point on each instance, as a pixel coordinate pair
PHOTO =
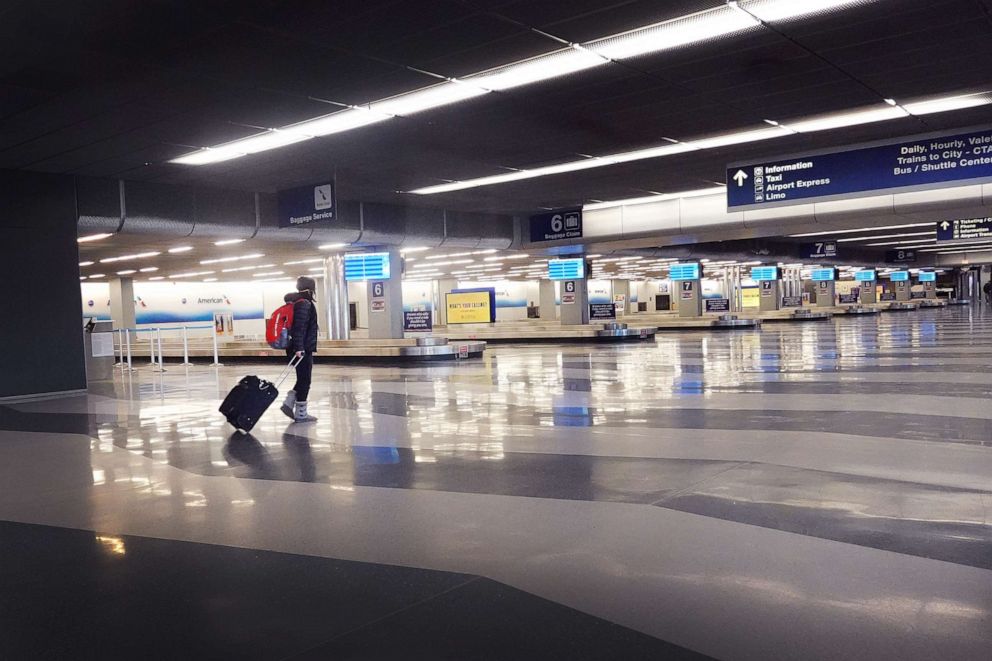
(920, 162)
(865, 276)
(899, 276)
(927, 276)
(968, 229)
(566, 269)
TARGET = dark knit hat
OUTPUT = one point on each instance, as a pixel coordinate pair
(306, 283)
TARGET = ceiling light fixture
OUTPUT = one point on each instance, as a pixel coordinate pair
(180, 249)
(333, 246)
(861, 229)
(701, 192)
(125, 258)
(221, 260)
(730, 19)
(92, 237)
(303, 261)
(157, 277)
(228, 242)
(800, 125)
(194, 274)
(884, 236)
(86, 263)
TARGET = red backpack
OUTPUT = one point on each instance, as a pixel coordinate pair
(278, 327)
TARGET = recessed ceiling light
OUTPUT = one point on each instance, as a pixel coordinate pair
(86, 263)
(92, 237)
(179, 249)
(304, 261)
(95, 275)
(228, 242)
(157, 277)
(126, 272)
(125, 258)
(333, 246)
(149, 269)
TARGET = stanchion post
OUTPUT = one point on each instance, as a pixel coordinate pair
(217, 362)
(161, 361)
(127, 337)
(151, 348)
(120, 345)
(186, 348)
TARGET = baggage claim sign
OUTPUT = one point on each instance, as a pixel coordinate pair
(922, 162)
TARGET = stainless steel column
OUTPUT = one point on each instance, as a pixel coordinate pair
(336, 299)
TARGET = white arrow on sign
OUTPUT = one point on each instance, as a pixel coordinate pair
(944, 225)
(740, 177)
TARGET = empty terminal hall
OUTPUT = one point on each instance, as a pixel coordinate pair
(496, 330)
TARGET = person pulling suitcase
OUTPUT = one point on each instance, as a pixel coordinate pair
(302, 346)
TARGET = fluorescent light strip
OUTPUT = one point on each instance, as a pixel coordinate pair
(221, 260)
(180, 249)
(702, 192)
(800, 125)
(862, 229)
(125, 258)
(92, 237)
(884, 236)
(228, 242)
(303, 261)
(86, 263)
(730, 19)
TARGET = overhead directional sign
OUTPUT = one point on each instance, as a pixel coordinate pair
(969, 229)
(556, 226)
(920, 162)
(307, 204)
(818, 250)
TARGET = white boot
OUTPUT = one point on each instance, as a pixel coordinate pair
(289, 404)
(301, 413)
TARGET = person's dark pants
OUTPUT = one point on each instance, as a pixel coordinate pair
(304, 374)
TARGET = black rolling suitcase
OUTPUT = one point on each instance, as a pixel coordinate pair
(251, 398)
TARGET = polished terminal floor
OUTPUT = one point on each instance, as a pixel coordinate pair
(810, 491)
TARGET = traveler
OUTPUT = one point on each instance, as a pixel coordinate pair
(302, 346)
(988, 292)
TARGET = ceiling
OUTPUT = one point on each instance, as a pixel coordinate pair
(116, 88)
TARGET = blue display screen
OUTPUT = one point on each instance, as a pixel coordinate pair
(368, 266)
(899, 276)
(928, 276)
(765, 273)
(820, 275)
(865, 276)
(690, 271)
(566, 269)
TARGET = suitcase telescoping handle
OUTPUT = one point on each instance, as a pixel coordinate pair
(293, 362)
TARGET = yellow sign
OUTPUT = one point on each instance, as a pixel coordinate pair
(751, 297)
(469, 307)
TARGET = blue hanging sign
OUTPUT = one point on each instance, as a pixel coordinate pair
(307, 204)
(927, 276)
(556, 226)
(865, 276)
(968, 229)
(899, 276)
(920, 162)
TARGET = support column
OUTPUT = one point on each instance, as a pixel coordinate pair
(904, 292)
(868, 293)
(444, 287)
(122, 302)
(689, 299)
(621, 288)
(574, 302)
(335, 299)
(826, 293)
(385, 300)
(770, 295)
(548, 300)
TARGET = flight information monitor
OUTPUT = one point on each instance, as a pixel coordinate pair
(690, 271)
(899, 276)
(928, 276)
(865, 276)
(765, 273)
(566, 269)
(366, 266)
(821, 275)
